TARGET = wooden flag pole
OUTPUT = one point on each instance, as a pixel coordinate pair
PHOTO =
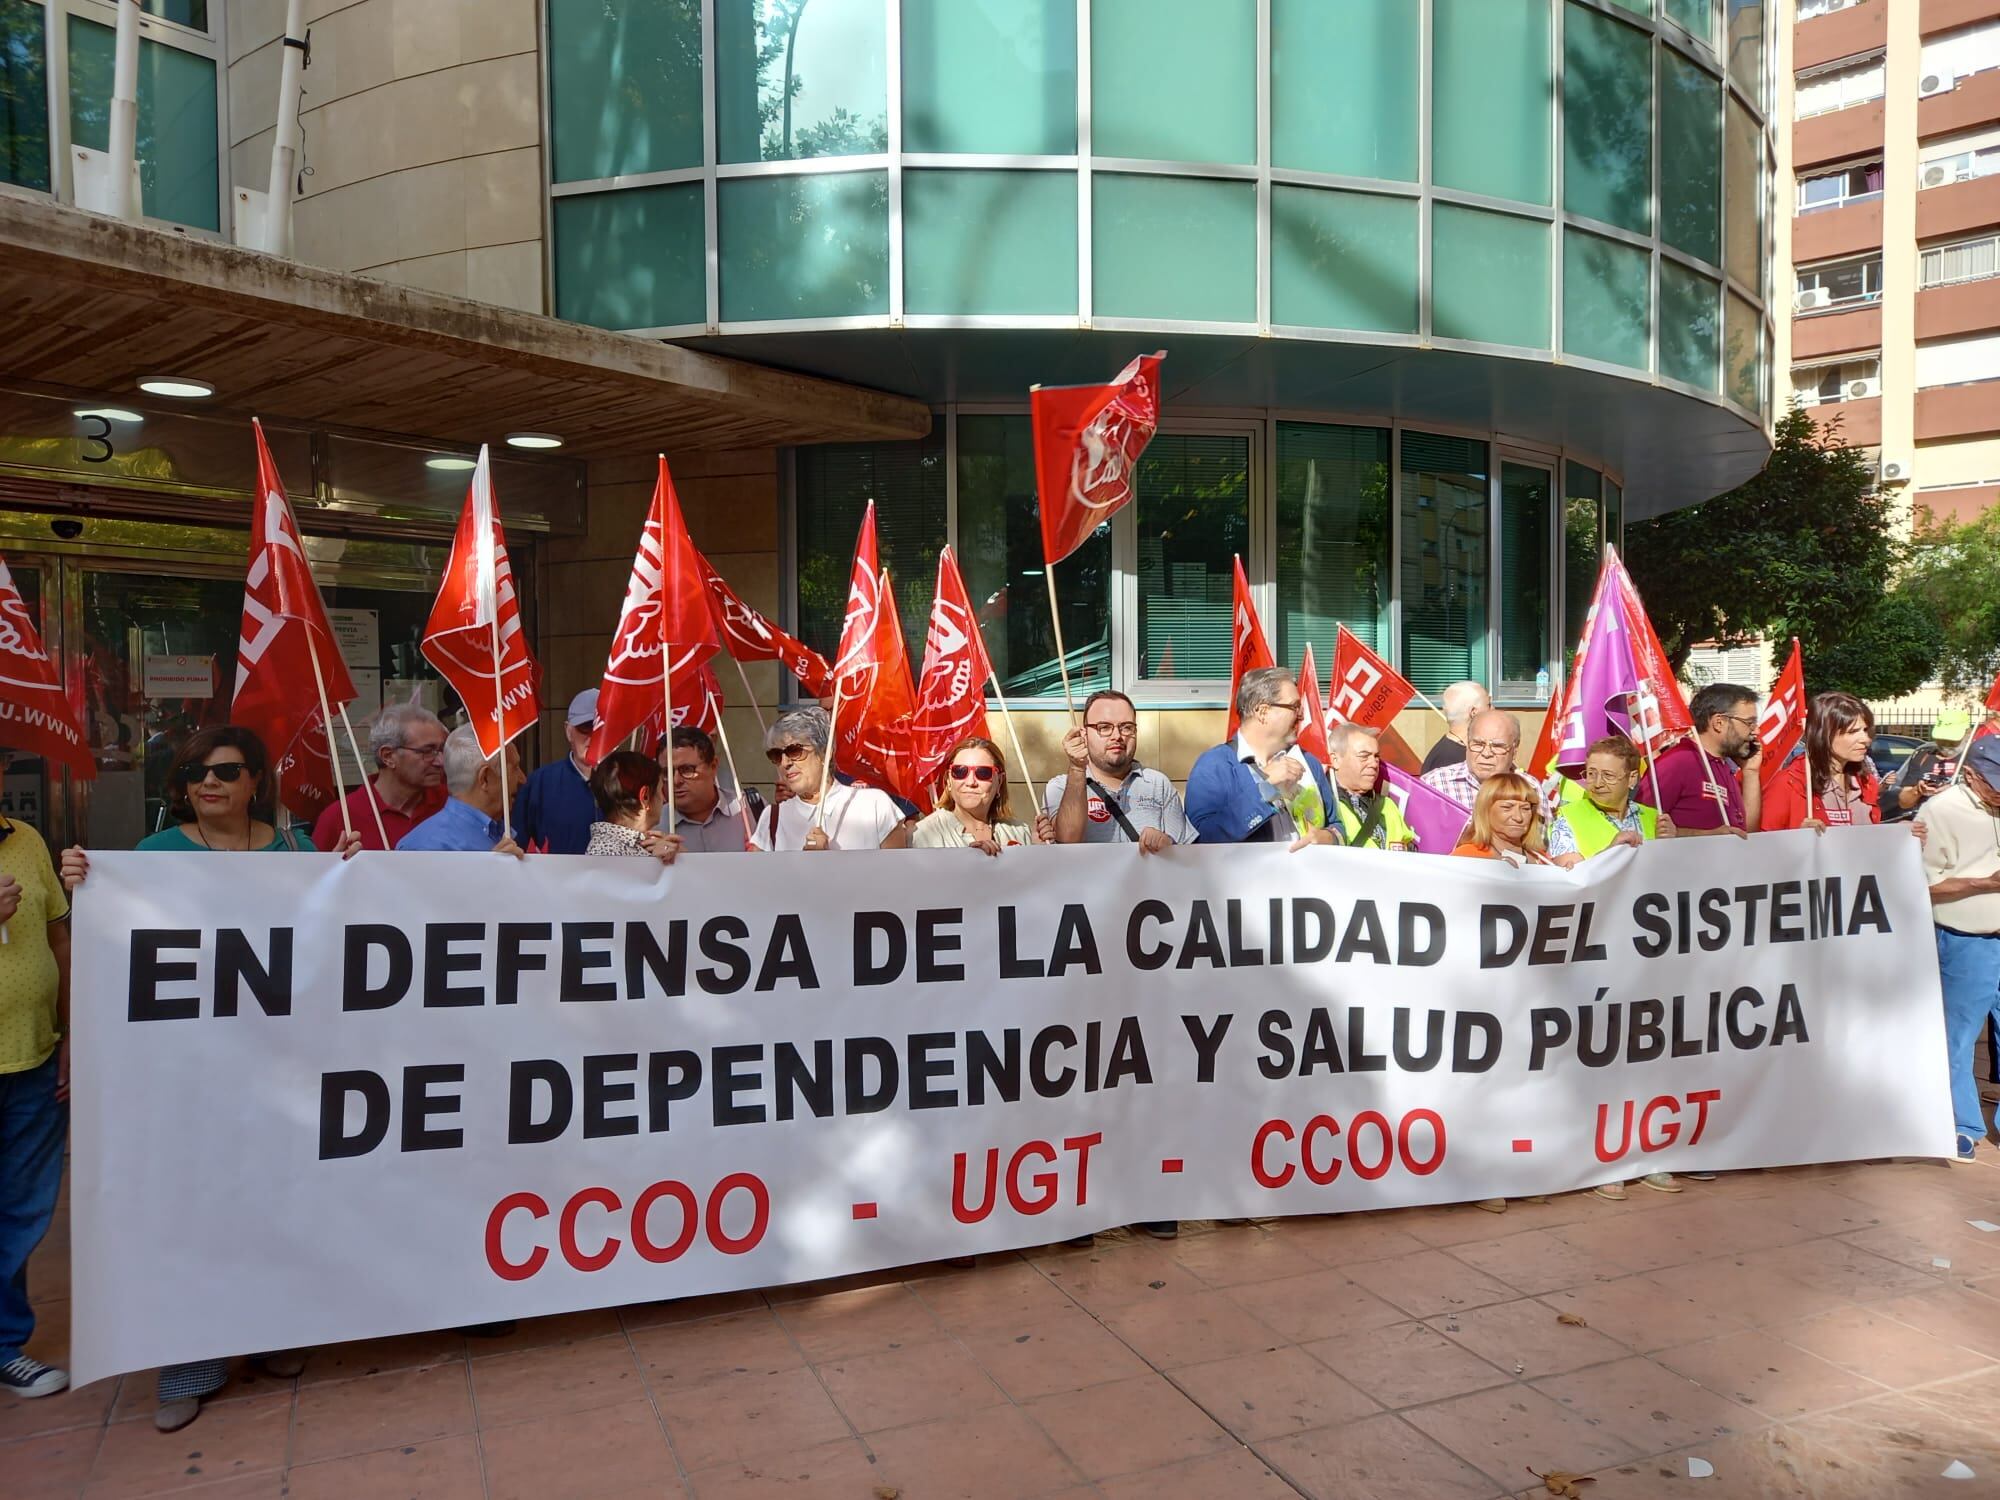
(374, 803)
(500, 723)
(750, 696)
(729, 759)
(667, 699)
(1062, 656)
(326, 728)
(826, 761)
(1014, 738)
(1708, 774)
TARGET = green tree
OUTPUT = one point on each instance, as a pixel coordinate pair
(1807, 548)
(1955, 570)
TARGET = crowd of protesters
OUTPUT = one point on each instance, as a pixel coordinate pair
(435, 790)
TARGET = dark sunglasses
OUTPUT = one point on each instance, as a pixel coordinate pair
(977, 773)
(228, 772)
(784, 753)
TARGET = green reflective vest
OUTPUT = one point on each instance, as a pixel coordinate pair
(1594, 831)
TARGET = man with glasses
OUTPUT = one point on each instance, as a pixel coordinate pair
(1261, 787)
(1492, 739)
(407, 741)
(1709, 783)
(708, 819)
(553, 811)
(1106, 796)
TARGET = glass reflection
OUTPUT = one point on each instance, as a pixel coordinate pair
(800, 78)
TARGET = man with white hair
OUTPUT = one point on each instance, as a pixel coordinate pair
(1368, 818)
(1460, 702)
(1492, 740)
(470, 817)
(407, 743)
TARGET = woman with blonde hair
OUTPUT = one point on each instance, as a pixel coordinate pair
(972, 810)
(1506, 822)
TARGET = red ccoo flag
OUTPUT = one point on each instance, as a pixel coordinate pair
(1364, 689)
(36, 716)
(667, 616)
(748, 636)
(874, 728)
(1312, 718)
(1783, 722)
(285, 633)
(474, 636)
(951, 694)
(1088, 439)
(1249, 649)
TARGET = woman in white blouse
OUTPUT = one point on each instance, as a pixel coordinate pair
(972, 811)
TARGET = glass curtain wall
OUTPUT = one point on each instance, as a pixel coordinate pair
(1444, 565)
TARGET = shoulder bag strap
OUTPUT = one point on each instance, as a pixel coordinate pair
(1111, 805)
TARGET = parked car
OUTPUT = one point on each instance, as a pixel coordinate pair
(1889, 751)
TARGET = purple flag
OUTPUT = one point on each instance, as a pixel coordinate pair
(1607, 679)
(1434, 818)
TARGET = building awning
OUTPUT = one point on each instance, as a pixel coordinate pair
(91, 304)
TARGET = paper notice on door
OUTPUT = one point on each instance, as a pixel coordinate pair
(359, 632)
(179, 676)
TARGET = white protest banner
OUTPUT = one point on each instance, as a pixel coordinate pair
(318, 1101)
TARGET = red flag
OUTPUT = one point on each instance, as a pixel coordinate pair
(748, 636)
(1662, 710)
(1249, 649)
(667, 616)
(285, 631)
(476, 618)
(36, 715)
(1364, 689)
(1993, 696)
(951, 694)
(1312, 718)
(1783, 722)
(1088, 439)
(874, 727)
(856, 658)
(697, 702)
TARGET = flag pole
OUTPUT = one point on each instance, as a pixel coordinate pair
(729, 758)
(1062, 656)
(826, 761)
(1014, 737)
(354, 744)
(326, 728)
(750, 696)
(667, 699)
(500, 724)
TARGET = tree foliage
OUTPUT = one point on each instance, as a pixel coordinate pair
(1806, 548)
(1955, 570)
(1890, 651)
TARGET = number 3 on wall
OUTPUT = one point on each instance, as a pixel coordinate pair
(94, 447)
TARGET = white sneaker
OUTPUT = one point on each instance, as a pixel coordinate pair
(30, 1377)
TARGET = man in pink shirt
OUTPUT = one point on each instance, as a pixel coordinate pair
(1709, 782)
(407, 741)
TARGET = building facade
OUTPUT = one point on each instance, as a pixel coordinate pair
(1438, 320)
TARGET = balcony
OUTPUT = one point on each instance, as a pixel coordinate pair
(1949, 15)
(1839, 133)
(1841, 33)
(1837, 330)
(1963, 503)
(1957, 208)
(1828, 233)
(1948, 411)
(1945, 311)
(1975, 102)
(1860, 421)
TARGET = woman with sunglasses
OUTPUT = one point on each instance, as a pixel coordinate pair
(223, 803)
(807, 819)
(972, 811)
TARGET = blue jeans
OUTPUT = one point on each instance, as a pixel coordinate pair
(1970, 968)
(32, 1126)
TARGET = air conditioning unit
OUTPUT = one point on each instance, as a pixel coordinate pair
(1895, 472)
(1935, 174)
(1860, 390)
(1812, 297)
(1934, 83)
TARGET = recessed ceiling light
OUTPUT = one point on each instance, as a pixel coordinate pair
(452, 464)
(109, 413)
(533, 440)
(181, 387)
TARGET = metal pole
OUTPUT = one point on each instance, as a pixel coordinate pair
(285, 144)
(125, 110)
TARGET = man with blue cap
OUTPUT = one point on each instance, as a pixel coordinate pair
(554, 808)
(1962, 859)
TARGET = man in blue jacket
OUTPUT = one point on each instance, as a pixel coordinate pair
(1261, 788)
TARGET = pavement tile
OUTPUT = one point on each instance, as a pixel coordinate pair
(1318, 1305)
(1239, 1475)
(1405, 1364)
(734, 1416)
(838, 1470)
(1106, 1278)
(995, 1454)
(992, 1298)
(1271, 1393)
(1431, 1282)
(1133, 1424)
(444, 1469)
(741, 1343)
(398, 1409)
(1763, 1371)
(901, 1386)
(1527, 1333)
(1650, 1407)
(227, 1441)
(1202, 1326)
(864, 1320)
(1644, 1313)
(79, 1406)
(541, 1333)
(1966, 1318)
(606, 1453)
(1237, 1256)
(1375, 1458)
(56, 1463)
(407, 1351)
(1539, 1260)
(1062, 1353)
(1345, 1239)
(548, 1382)
(1870, 1342)
(1506, 1431)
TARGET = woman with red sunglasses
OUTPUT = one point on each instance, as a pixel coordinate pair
(972, 810)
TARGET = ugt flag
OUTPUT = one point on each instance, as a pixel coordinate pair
(474, 636)
(1248, 649)
(1782, 724)
(34, 714)
(1088, 439)
(285, 638)
(748, 636)
(874, 728)
(951, 693)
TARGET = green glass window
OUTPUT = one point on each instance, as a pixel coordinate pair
(1746, 47)
(189, 13)
(1343, 260)
(989, 242)
(1607, 119)
(1741, 331)
(1000, 553)
(1211, 274)
(1444, 560)
(1174, 80)
(793, 80)
(1193, 522)
(1697, 17)
(1492, 80)
(1742, 186)
(1367, 125)
(624, 87)
(834, 483)
(1583, 545)
(804, 247)
(1690, 327)
(24, 96)
(1690, 157)
(1607, 299)
(1489, 277)
(178, 160)
(631, 259)
(1333, 539)
(990, 75)
(1527, 525)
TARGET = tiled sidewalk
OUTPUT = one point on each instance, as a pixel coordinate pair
(1789, 1328)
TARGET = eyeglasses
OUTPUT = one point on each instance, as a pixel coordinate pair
(1605, 778)
(1747, 721)
(1488, 747)
(423, 752)
(977, 773)
(784, 754)
(683, 771)
(228, 772)
(1291, 707)
(1106, 731)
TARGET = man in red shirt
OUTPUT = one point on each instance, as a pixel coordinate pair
(407, 741)
(1709, 782)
